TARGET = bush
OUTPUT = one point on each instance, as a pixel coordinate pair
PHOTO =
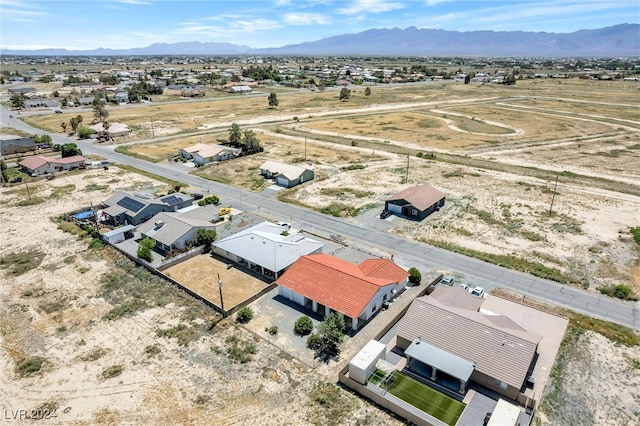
(636, 234)
(29, 366)
(314, 342)
(212, 199)
(414, 276)
(303, 326)
(240, 350)
(620, 291)
(244, 315)
(273, 330)
(96, 244)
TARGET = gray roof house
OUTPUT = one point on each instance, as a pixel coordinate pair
(133, 209)
(287, 175)
(267, 247)
(176, 230)
(16, 145)
(449, 339)
(415, 202)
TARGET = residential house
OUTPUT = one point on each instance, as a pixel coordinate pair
(327, 284)
(22, 90)
(415, 202)
(177, 230)
(115, 129)
(206, 153)
(240, 89)
(287, 175)
(449, 339)
(268, 248)
(124, 208)
(15, 145)
(41, 103)
(121, 97)
(37, 165)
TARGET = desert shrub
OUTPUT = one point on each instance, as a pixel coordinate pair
(303, 326)
(414, 276)
(152, 350)
(29, 366)
(21, 262)
(240, 350)
(354, 167)
(96, 244)
(620, 291)
(273, 330)
(181, 332)
(111, 372)
(244, 315)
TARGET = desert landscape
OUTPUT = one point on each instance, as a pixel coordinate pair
(542, 174)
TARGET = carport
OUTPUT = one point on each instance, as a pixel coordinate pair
(440, 360)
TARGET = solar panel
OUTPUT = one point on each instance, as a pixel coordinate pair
(130, 204)
(171, 200)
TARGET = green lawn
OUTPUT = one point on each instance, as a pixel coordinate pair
(421, 396)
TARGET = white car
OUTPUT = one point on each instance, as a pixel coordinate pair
(447, 280)
(478, 291)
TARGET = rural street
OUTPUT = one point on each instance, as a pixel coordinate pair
(406, 252)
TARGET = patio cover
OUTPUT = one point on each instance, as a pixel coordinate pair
(444, 361)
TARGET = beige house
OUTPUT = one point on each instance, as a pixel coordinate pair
(201, 153)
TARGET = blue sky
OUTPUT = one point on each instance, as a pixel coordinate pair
(120, 24)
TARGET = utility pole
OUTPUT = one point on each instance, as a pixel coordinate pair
(221, 301)
(553, 197)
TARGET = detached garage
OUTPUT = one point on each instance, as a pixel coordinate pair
(415, 202)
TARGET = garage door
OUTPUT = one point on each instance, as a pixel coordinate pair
(395, 208)
(282, 181)
(285, 292)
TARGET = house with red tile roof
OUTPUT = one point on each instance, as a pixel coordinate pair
(327, 284)
(40, 165)
(415, 202)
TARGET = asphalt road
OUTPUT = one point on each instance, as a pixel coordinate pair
(406, 252)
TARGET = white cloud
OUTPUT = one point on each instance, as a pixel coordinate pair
(370, 6)
(19, 12)
(305, 18)
(282, 2)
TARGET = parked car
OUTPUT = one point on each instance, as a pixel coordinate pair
(385, 214)
(447, 280)
(464, 285)
(197, 196)
(477, 291)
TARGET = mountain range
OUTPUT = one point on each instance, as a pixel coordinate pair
(614, 41)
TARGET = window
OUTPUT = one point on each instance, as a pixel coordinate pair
(374, 307)
(502, 385)
(414, 212)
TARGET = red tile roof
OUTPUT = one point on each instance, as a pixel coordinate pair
(421, 196)
(338, 284)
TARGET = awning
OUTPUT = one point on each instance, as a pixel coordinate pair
(442, 360)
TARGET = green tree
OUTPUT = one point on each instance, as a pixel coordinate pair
(250, 140)
(244, 315)
(17, 100)
(204, 237)
(345, 94)
(235, 135)
(329, 336)
(144, 249)
(64, 126)
(69, 150)
(367, 92)
(212, 199)
(303, 326)
(414, 276)
(273, 100)
(100, 113)
(85, 132)
(75, 122)
(38, 139)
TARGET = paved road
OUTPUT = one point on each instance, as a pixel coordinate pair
(406, 252)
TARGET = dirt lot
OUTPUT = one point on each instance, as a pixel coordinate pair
(237, 286)
(85, 334)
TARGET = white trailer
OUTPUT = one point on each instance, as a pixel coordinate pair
(363, 365)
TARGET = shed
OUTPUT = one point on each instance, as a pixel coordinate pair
(363, 365)
(119, 234)
(505, 414)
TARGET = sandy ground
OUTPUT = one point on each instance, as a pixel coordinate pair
(237, 286)
(120, 371)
